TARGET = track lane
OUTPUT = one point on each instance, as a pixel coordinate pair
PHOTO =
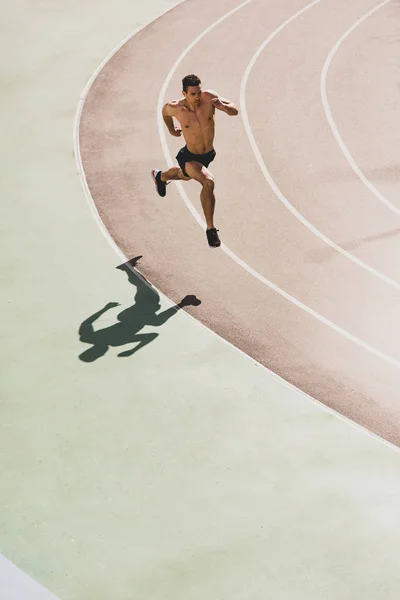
(360, 58)
(362, 88)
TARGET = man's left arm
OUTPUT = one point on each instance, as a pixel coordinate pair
(223, 104)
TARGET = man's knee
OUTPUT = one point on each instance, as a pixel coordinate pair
(208, 183)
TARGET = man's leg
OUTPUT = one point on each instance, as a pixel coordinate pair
(201, 174)
(173, 174)
(198, 172)
(161, 178)
(143, 339)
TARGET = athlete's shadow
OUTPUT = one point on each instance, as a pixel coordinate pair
(130, 321)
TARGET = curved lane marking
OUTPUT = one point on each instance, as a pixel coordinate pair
(331, 121)
(271, 181)
(104, 231)
(388, 359)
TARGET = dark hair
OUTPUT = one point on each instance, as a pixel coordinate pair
(190, 80)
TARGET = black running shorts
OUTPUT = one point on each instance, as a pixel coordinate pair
(185, 156)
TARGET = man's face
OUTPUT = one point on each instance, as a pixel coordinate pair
(193, 95)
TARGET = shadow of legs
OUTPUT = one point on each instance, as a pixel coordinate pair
(143, 339)
(93, 353)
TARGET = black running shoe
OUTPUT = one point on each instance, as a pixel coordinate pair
(212, 238)
(161, 186)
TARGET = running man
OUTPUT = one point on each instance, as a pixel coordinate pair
(195, 113)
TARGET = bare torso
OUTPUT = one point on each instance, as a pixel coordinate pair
(198, 126)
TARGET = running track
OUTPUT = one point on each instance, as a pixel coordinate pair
(307, 183)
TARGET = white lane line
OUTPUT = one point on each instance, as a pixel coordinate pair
(18, 585)
(161, 129)
(120, 254)
(331, 121)
(268, 175)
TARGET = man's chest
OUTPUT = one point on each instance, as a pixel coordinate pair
(202, 118)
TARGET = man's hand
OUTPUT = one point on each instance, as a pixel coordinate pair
(176, 131)
(111, 305)
(217, 102)
(225, 105)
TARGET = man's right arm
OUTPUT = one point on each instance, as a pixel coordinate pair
(168, 112)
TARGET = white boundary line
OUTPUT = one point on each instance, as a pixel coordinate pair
(268, 175)
(18, 585)
(77, 123)
(196, 215)
(331, 121)
(121, 255)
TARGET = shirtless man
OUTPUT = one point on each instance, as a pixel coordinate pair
(195, 113)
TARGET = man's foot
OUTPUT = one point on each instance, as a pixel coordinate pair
(161, 186)
(212, 238)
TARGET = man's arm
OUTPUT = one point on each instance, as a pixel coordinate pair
(223, 104)
(168, 112)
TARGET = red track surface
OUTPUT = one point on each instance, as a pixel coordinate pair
(120, 144)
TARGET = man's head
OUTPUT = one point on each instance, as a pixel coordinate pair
(191, 89)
